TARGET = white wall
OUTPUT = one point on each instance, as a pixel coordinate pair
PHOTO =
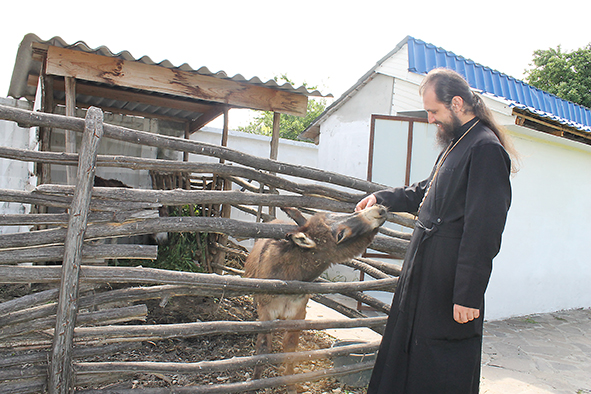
(544, 263)
(295, 152)
(344, 136)
(13, 174)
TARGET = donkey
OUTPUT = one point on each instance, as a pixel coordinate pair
(322, 240)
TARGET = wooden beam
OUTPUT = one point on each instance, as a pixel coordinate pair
(207, 117)
(558, 128)
(132, 96)
(39, 51)
(133, 74)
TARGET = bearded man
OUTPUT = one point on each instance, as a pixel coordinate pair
(433, 339)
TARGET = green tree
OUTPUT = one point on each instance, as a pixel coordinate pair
(565, 74)
(290, 126)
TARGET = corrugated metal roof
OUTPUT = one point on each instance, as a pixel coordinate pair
(423, 57)
(25, 65)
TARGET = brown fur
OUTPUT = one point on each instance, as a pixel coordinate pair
(303, 255)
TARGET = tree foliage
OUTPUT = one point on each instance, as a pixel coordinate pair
(565, 74)
(290, 126)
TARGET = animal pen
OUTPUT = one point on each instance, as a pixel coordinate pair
(50, 338)
(45, 334)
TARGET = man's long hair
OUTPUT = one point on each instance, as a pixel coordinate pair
(448, 84)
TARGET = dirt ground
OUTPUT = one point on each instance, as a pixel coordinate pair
(213, 347)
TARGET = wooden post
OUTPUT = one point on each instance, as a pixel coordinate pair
(70, 136)
(222, 239)
(60, 368)
(187, 137)
(44, 170)
(275, 136)
(274, 148)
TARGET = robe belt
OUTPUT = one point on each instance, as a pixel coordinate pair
(451, 230)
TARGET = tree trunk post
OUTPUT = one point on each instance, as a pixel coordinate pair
(60, 368)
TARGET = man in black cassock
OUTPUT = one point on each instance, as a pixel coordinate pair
(433, 339)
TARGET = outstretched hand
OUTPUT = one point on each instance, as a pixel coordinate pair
(366, 203)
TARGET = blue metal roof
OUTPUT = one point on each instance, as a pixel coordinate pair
(423, 57)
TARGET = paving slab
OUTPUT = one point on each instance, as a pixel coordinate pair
(546, 353)
(542, 353)
(316, 311)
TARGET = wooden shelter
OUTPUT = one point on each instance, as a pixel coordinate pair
(54, 72)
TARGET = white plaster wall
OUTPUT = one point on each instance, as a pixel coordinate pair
(344, 136)
(289, 151)
(13, 174)
(544, 262)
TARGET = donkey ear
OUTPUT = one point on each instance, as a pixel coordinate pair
(295, 215)
(301, 240)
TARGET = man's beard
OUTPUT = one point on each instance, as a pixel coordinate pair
(447, 131)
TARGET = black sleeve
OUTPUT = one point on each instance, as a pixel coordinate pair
(402, 199)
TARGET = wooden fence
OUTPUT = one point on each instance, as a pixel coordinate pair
(44, 334)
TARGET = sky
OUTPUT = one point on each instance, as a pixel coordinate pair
(325, 43)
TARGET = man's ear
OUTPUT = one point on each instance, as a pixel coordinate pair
(301, 240)
(457, 104)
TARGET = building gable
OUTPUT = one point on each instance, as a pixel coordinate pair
(412, 58)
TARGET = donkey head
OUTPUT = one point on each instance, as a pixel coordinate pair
(346, 234)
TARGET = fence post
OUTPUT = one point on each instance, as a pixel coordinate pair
(60, 367)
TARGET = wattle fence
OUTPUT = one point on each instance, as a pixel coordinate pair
(43, 335)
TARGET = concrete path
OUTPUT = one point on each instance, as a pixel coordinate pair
(538, 354)
(541, 354)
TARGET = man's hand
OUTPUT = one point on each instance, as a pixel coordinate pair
(366, 203)
(463, 314)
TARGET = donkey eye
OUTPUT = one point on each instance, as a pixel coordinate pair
(340, 235)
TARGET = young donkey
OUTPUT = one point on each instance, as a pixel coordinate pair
(322, 240)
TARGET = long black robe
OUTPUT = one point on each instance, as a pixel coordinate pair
(449, 261)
